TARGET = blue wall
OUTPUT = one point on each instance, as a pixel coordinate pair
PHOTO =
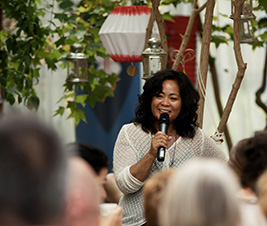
(106, 119)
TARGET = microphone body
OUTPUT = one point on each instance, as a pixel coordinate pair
(163, 126)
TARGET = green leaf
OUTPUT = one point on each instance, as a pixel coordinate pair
(60, 111)
(167, 16)
(94, 84)
(81, 99)
(3, 35)
(262, 23)
(264, 36)
(82, 9)
(61, 41)
(66, 4)
(10, 98)
(218, 39)
(77, 114)
(264, 4)
(62, 17)
(33, 103)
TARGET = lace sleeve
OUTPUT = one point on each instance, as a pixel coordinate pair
(125, 156)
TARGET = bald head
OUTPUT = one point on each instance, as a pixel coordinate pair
(83, 196)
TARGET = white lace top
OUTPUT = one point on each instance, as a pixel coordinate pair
(132, 144)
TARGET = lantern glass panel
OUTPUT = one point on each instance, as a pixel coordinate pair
(77, 65)
(246, 32)
(77, 71)
(154, 64)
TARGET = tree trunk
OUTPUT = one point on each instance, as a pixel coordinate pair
(204, 59)
(241, 67)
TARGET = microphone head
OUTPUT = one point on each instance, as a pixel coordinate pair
(164, 118)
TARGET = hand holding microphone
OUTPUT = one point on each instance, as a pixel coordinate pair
(163, 126)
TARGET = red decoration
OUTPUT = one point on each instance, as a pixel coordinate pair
(174, 30)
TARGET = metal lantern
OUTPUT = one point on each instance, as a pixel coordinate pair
(77, 65)
(246, 11)
(153, 58)
(246, 32)
(246, 19)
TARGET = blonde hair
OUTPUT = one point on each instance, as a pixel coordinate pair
(202, 193)
(153, 192)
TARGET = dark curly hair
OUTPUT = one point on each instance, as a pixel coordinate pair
(186, 122)
(248, 158)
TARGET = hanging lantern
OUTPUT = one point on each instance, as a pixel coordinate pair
(153, 58)
(246, 10)
(77, 65)
(246, 32)
(123, 33)
(246, 19)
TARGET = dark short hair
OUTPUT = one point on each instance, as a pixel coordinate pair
(248, 158)
(92, 155)
(32, 171)
(186, 122)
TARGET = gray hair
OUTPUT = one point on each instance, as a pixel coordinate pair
(202, 193)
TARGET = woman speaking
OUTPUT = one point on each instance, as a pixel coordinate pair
(136, 148)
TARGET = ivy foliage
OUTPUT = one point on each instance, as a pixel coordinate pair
(32, 44)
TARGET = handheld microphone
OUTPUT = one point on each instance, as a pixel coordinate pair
(163, 126)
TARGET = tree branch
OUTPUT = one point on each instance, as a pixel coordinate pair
(186, 37)
(241, 67)
(204, 58)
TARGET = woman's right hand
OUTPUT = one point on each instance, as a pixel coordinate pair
(160, 139)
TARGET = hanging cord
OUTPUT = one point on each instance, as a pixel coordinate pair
(217, 137)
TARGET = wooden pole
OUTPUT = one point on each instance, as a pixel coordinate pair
(204, 59)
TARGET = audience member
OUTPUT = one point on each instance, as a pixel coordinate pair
(98, 160)
(113, 192)
(32, 173)
(153, 192)
(202, 193)
(83, 197)
(248, 158)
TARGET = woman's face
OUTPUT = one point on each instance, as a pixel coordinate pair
(169, 101)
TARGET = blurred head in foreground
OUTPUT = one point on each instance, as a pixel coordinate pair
(97, 159)
(83, 197)
(153, 192)
(32, 173)
(248, 158)
(202, 193)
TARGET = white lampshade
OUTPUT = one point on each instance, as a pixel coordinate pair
(123, 33)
